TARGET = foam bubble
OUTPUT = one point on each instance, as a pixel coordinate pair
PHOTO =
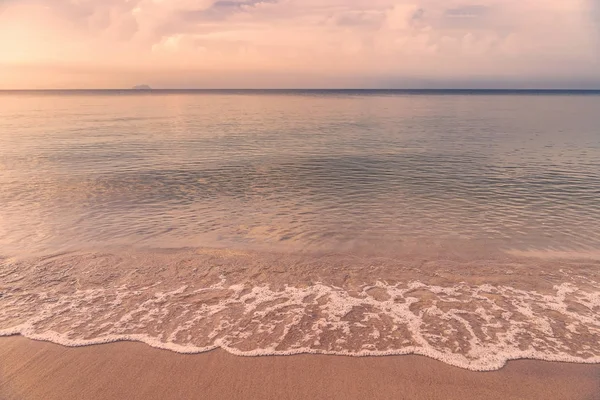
(475, 316)
(473, 327)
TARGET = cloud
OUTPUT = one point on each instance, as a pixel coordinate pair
(433, 39)
(468, 11)
(595, 13)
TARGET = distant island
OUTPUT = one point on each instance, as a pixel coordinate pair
(141, 87)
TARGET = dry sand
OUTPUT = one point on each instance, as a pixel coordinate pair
(39, 370)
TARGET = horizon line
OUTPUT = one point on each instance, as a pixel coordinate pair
(133, 90)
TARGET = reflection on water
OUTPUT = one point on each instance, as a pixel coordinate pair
(461, 227)
(316, 171)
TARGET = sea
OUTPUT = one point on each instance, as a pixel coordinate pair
(461, 225)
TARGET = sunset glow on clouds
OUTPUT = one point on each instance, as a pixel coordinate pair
(298, 43)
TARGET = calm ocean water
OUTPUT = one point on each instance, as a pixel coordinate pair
(294, 194)
(301, 170)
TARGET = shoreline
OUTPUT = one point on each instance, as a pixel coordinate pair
(186, 351)
(43, 370)
(474, 317)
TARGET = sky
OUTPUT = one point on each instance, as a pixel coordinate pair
(46, 44)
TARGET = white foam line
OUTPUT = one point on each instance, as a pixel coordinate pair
(482, 356)
(489, 364)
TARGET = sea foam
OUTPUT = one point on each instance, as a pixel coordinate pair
(477, 327)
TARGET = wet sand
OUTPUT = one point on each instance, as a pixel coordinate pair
(31, 370)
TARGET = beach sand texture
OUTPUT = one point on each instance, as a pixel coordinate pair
(34, 370)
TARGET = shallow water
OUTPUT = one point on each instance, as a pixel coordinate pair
(461, 226)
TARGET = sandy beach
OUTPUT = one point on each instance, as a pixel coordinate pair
(32, 370)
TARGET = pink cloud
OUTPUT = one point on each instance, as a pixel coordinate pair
(352, 37)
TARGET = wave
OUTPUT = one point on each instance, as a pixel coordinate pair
(474, 326)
